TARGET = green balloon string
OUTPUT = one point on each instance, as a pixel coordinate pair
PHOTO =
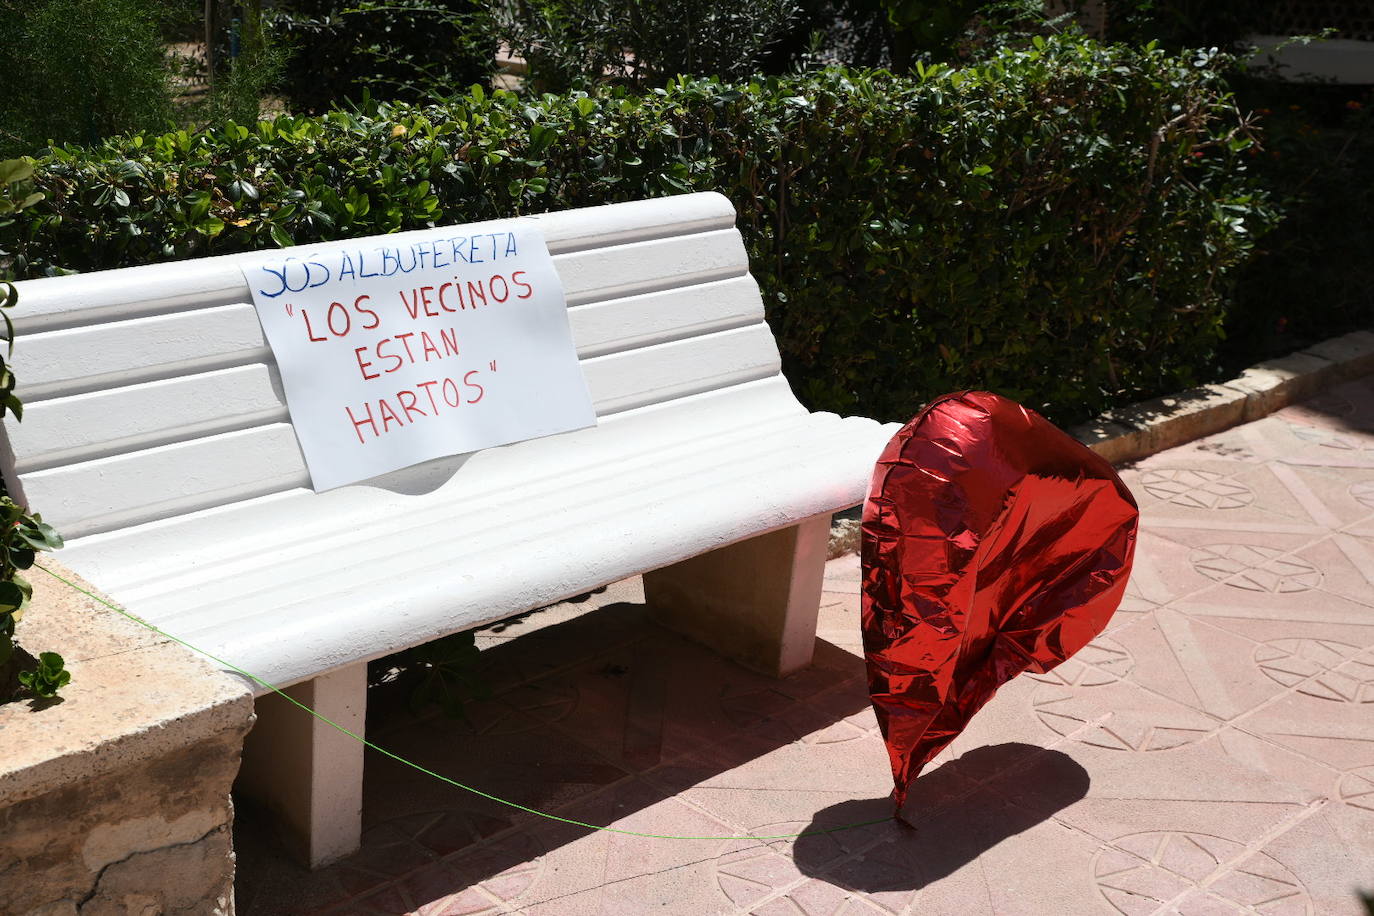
(428, 772)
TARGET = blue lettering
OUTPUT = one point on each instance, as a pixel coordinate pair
(327, 274)
(346, 268)
(362, 267)
(389, 257)
(281, 279)
(436, 252)
(286, 266)
(510, 244)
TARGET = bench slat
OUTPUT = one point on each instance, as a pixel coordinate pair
(611, 325)
(106, 356)
(402, 599)
(130, 487)
(649, 375)
(164, 549)
(114, 295)
(99, 424)
(644, 267)
(378, 557)
(245, 551)
(102, 424)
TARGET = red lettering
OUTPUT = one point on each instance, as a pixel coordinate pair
(515, 278)
(401, 396)
(412, 305)
(450, 339)
(309, 332)
(424, 297)
(441, 297)
(358, 424)
(388, 415)
(405, 340)
(434, 405)
(505, 288)
(475, 290)
(362, 366)
(467, 382)
(429, 346)
(347, 319)
(455, 401)
(358, 305)
(380, 355)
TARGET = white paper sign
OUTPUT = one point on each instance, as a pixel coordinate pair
(435, 344)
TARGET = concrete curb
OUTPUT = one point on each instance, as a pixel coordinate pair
(1140, 430)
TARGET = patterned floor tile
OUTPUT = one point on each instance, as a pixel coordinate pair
(1200, 664)
(1211, 752)
(1331, 855)
(1207, 490)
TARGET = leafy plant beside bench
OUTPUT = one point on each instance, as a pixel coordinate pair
(22, 534)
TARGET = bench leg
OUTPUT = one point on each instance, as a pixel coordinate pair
(755, 601)
(309, 774)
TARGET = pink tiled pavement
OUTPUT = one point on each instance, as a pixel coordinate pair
(1212, 752)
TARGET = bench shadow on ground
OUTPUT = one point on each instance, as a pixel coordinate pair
(599, 717)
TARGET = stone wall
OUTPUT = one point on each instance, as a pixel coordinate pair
(116, 799)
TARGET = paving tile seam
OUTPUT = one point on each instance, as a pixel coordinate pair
(987, 889)
(860, 850)
(492, 900)
(1249, 849)
(1312, 504)
(1221, 723)
(1204, 613)
(597, 750)
(526, 904)
(1169, 908)
(1315, 533)
(1284, 747)
(1142, 556)
(1206, 620)
(1283, 470)
(1325, 797)
(567, 667)
(1130, 676)
(1327, 534)
(1150, 481)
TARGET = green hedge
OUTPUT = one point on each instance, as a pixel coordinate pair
(1310, 279)
(1059, 224)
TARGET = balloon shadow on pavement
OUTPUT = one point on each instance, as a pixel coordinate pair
(955, 818)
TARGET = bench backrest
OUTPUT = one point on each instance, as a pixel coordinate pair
(150, 391)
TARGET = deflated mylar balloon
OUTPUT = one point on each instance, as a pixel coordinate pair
(993, 543)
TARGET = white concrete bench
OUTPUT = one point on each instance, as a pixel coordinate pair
(157, 440)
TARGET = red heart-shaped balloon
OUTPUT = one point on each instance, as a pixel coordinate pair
(993, 543)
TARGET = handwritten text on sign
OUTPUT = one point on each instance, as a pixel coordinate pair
(393, 352)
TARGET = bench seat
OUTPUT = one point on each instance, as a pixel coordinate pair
(364, 571)
(157, 439)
